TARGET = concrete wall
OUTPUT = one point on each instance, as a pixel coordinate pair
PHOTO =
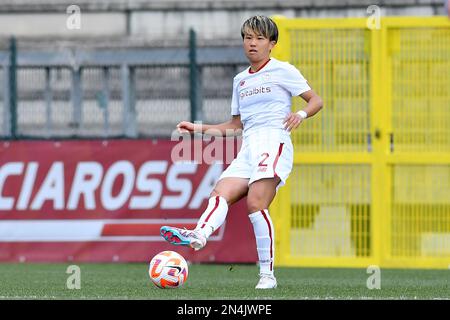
(54, 24)
(156, 23)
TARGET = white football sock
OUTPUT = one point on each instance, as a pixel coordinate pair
(213, 217)
(265, 241)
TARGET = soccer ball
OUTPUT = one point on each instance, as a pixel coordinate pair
(168, 269)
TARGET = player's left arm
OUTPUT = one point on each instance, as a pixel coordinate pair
(315, 104)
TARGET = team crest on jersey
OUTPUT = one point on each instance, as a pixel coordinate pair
(266, 76)
(242, 83)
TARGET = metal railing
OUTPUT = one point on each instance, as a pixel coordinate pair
(114, 93)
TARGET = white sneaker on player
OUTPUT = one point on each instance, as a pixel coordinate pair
(183, 237)
(266, 282)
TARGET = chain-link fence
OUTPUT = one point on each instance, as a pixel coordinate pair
(3, 95)
(117, 93)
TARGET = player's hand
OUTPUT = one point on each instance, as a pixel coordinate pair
(185, 127)
(292, 121)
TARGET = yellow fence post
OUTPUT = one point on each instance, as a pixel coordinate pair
(379, 134)
(282, 203)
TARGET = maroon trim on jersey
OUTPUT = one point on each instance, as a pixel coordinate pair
(280, 150)
(212, 211)
(269, 225)
(251, 71)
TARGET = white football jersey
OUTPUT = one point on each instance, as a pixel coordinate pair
(263, 98)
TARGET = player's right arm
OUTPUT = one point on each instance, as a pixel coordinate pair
(231, 127)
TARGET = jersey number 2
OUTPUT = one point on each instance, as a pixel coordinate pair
(265, 155)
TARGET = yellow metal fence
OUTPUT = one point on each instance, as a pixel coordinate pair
(371, 177)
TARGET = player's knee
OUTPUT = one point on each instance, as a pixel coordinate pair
(214, 193)
(256, 203)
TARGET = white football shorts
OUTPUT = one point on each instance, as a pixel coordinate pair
(264, 154)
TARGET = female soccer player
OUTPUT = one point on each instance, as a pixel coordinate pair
(261, 107)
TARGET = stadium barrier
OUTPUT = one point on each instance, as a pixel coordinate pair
(371, 177)
(113, 93)
(105, 201)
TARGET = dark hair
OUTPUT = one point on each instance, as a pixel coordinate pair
(261, 25)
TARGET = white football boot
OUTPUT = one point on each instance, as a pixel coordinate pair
(266, 281)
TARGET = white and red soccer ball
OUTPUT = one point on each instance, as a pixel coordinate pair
(168, 269)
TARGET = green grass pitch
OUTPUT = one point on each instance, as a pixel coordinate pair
(131, 281)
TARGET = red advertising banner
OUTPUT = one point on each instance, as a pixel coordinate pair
(103, 201)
